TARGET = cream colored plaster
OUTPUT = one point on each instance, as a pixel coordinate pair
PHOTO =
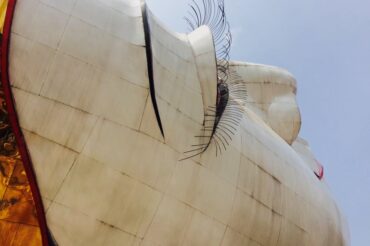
(65, 6)
(40, 22)
(233, 238)
(106, 174)
(51, 169)
(32, 61)
(100, 192)
(271, 93)
(97, 92)
(205, 59)
(198, 187)
(108, 144)
(86, 227)
(70, 128)
(170, 223)
(121, 25)
(105, 51)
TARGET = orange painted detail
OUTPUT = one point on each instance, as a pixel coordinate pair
(19, 222)
(18, 218)
(3, 8)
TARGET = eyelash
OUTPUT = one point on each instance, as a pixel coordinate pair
(223, 119)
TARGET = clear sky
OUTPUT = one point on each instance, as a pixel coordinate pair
(326, 45)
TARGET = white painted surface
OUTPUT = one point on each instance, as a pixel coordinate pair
(106, 174)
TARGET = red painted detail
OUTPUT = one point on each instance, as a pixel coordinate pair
(13, 119)
(320, 172)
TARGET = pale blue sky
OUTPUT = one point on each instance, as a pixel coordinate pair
(326, 45)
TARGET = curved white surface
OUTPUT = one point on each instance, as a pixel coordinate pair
(272, 95)
(107, 176)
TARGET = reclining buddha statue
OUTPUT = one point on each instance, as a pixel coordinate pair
(118, 131)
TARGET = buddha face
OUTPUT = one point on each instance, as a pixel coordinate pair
(193, 67)
(145, 136)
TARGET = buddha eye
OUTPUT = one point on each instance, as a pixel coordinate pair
(222, 119)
